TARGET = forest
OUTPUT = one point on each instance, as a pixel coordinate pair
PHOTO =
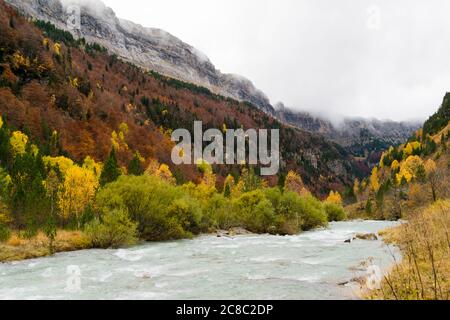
(85, 163)
(113, 208)
(85, 154)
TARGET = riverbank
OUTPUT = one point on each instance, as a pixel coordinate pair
(17, 248)
(424, 272)
(309, 265)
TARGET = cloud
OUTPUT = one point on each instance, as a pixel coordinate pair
(377, 58)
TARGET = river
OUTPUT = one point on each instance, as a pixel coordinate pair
(310, 265)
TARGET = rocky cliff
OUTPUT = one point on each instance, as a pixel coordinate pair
(149, 48)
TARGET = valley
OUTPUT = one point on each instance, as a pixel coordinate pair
(89, 121)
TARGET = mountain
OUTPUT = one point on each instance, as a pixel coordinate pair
(155, 49)
(359, 136)
(149, 48)
(411, 175)
(71, 98)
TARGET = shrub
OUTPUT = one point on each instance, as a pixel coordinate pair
(187, 213)
(288, 208)
(312, 213)
(218, 213)
(115, 229)
(5, 234)
(152, 203)
(335, 212)
(256, 212)
(295, 212)
(424, 272)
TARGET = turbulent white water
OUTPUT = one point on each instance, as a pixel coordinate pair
(306, 266)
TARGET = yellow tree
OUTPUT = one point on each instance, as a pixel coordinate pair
(18, 142)
(374, 182)
(384, 155)
(57, 49)
(295, 183)
(95, 167)
(165, 174)
(432, 176)
(408, 169)
(152, 167)
(208, 178)
(334, 198)
(118, 140)
(76, 192)
(395, 165)
(410, 148)
(62, 163)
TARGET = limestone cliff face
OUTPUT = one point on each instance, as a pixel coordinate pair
(149, 48)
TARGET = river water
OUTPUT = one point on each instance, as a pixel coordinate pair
(306, 266)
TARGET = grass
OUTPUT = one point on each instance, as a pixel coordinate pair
(17, 248)
(424, 273)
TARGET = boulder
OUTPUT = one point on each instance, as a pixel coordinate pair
(367, 236)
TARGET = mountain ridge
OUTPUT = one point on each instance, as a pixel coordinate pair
(72, 95)
(158, 50)
(149, 48)
(358, 135)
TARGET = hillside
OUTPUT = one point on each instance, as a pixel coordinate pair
(85, 154)
(411, 175)
(155, 49)
(53, 83)
(149, 48)
(411, 182)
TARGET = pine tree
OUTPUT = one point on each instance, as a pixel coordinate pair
(111, 171)
(135, 167)
(27, 196)
(227, 191)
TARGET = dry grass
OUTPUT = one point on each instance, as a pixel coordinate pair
(424, 273)
(357, 211)
(17, 248)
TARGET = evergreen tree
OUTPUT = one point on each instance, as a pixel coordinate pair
(111, 171)
(135, 167)
(369, 206)
(227, 191)
(27, 195)
(421, 175)
(4, 143)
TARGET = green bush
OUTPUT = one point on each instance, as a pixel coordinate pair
(288, 206)
(312, 214)
(154, 204)
(256, 212)
(294, 212)
(113, 230)
(335, 212)
(218, 213)
(5, 234)
(187, 213)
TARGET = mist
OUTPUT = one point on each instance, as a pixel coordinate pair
(375, 59)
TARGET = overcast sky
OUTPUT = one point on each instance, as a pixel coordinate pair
(386, 59)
